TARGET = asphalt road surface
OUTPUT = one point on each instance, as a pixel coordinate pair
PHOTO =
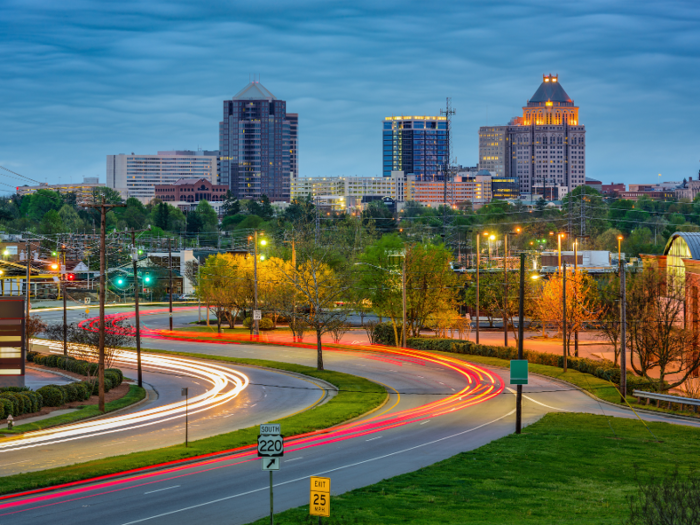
(426, 420)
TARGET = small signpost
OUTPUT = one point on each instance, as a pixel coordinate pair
(519, 377)
(86, 300)
(257, 315)
(186, 392)
(320, 497)
(271, 450)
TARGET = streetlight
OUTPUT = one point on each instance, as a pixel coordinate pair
(505, 280)
(403, 293)
(263, 242)
(619, 248)
(478, 271)
(560, 236)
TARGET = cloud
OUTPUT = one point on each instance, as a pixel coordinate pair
(84, 79)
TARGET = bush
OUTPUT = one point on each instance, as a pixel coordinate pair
(117, 374)
(30, 356)
(52, 395)
(70, 393)
(27, 404)
(84, 391)
(247, 322)
(5, 408)
(384, 333)
(9, 397)
(266, 324)
(37, 401)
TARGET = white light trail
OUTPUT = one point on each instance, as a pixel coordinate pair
(226, 384)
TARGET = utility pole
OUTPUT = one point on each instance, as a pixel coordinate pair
(575, 289)
(103, 268)
(505, 293)
(62, 277)
(563, 288)
(256, 325)
(318, 221)
(521, 321)
(134, 259)
(403, 299)
(29, 293)
(170, 277)
(623, 332)
(478, 271)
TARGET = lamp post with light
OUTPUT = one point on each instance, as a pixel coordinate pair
(256, 322)
(623, 322)
(478, 271)
(134, 259)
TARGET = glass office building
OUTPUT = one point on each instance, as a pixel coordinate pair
(416, 145)
(258, 145)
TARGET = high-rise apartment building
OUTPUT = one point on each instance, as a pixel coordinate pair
(545, 148)
(416, 145)
(138, 175)
(258, 145)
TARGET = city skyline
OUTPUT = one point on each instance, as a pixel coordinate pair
(103, 80)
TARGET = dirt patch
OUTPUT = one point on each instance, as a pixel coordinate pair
(112, 395)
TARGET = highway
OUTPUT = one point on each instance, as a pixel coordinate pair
(440, 407)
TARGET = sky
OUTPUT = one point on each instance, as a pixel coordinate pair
(83, 79)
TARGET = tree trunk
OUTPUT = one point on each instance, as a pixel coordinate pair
(319, 351)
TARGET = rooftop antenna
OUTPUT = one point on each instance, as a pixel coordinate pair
(447, 112)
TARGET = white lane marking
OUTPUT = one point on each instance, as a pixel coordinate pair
(293, 459)
(373, 438)
(441, 382)
(424, 422)
(160, 490)
(320, 473)
(535, 401)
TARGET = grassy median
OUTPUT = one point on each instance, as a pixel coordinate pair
(564, 469)
(357, 396)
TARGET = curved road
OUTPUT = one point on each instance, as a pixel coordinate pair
(436, 415)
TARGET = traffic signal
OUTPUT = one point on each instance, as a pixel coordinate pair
(70, 276)
(148, 280)
(120, 281)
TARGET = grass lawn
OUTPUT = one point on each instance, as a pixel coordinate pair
(134, 395)
(564, 469)
(357, 396)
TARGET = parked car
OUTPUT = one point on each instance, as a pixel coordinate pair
(187, 297)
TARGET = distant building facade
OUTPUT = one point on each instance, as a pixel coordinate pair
(83, 190)
(613, 188)
(505, 188)
(185, 194)
(258, 141)
(545, 147)
(138, 175)
(416, 145)
(688, 189)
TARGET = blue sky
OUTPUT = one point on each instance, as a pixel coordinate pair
(84, 79)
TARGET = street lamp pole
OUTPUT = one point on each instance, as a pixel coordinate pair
(134, 259)
(403, 299)
(521, 322)
(623, 326)
(256, 326)
(505, 292)
(62, 278)
(478, 271)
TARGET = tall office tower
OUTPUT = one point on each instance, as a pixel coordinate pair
(492, 150)
(416, 145)
(546, 147)
(258, 144)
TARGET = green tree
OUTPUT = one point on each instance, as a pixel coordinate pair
(70, 218)
(207, 216)
(176, 220)
(40, 203)
(109, 195)
(162, 213)
(52, 223)
(231, 206)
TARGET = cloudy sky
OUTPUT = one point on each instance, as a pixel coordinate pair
(84, 79)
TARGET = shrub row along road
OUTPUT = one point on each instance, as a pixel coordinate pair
(443, 406)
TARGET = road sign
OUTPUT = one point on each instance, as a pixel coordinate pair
(257, 315)
(270, 445)
(271, 463)
(518, 372)
(270, 442)
(320, 499)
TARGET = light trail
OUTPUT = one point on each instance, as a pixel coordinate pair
(480, 385)
(226, 384)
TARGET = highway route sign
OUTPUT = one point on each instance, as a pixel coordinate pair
(320, 497)
(518, 372)
(257, 315)
(271, 463)
(270, 442)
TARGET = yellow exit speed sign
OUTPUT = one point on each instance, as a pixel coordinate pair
(320, 503)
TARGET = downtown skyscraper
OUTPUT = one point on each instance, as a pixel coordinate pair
(258, 145)
(416, 145)
(544, 150)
